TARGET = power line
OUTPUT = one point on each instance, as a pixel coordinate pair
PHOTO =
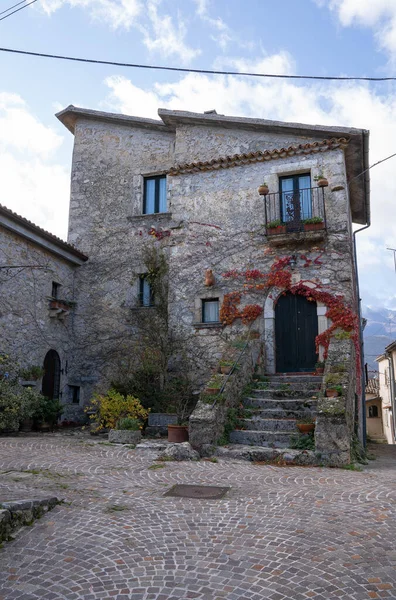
(17, 10)
(185, 70)
(11, 7)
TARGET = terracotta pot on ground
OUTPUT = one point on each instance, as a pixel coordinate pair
(177, 433)
(306, 427)
(331, 393)
(313, 226)
(263, 190)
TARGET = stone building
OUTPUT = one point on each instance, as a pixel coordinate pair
(37, 284)
(387, 391)
(185, 188)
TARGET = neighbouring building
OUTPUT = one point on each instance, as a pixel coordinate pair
(387, 382)
(184, 190)
(374, 412)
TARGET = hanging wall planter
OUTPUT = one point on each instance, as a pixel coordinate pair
(263, 189)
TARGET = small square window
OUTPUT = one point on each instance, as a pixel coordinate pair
(373, 411)
(75, 394)
(154, 197)
(210, 310)
(55, 289)
(146, 293)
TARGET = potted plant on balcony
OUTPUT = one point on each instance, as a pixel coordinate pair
(306, 425)
(321, 180)
(263, 189)
(313, 224)
(276, 227)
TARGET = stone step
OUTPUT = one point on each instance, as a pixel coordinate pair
(257, 424)
(280, 403)
(294, 378)
(267, 439)
(280, 413)
(308, 385)
(272, 394)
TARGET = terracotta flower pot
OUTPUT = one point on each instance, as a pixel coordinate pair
(319, 370)
(313, 226)
(276, 230)
(212, 391)
(331, 393)
(323, 182)
(226, 370)
(263, 190)
(177, 433)
(306, 427)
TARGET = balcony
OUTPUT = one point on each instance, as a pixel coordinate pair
(295, 217)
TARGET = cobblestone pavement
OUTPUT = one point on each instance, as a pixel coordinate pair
(280, 532)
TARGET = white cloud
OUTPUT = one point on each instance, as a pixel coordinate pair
(348, 104)
(117, 13)
(380, 15)
(32, 183)
(166, 37)
(223, 34)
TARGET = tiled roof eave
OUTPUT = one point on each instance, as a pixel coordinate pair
(238, 160)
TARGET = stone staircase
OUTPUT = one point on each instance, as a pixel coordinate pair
(274, 406)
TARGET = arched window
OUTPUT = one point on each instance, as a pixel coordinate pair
(51, 379)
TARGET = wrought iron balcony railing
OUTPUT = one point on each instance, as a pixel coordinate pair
(291, 212)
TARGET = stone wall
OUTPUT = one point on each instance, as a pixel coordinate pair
(18, 513)
(206, 424)
(335, 423)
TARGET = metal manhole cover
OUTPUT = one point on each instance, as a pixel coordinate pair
(200, 492)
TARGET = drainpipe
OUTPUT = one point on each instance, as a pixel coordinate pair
(368, 221)
(388, 355)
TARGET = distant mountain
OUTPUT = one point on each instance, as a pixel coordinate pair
(379, 332)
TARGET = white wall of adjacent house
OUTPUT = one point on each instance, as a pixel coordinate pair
(386, 407)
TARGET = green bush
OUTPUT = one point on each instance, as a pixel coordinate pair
(47, 410)
(303, 442)
(16, 404)
(129, 424)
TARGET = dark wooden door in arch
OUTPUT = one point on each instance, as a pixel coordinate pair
(51, 379)
(296, 326)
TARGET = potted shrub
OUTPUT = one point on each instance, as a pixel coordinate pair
(263, 189)
(47, 413)
(275, 227)
(127, 431)
(313, 224)
(334, 391)
(214, 384)
(226, 366)
(181, 402)
(321, 180)
(319, 367)
(306, 425)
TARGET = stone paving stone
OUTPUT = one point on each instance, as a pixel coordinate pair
(278, 534)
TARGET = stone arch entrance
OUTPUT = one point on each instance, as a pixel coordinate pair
(269, 326)
(52, 371)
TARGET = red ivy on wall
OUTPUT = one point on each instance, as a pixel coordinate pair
(340, 313)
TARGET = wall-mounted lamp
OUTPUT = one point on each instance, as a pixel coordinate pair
(293, 261)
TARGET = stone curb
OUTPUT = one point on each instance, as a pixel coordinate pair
(17, 513)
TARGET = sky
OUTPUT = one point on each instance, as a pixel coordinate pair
(302, 37)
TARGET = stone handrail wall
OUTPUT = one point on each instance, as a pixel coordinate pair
(336, 416)
(206, 424)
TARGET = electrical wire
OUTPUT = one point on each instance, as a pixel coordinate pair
(185, 70)
(17, 10)
(11, 7)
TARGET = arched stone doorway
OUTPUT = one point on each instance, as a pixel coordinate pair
(269, 326)
(51, 379)
(296, 327)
